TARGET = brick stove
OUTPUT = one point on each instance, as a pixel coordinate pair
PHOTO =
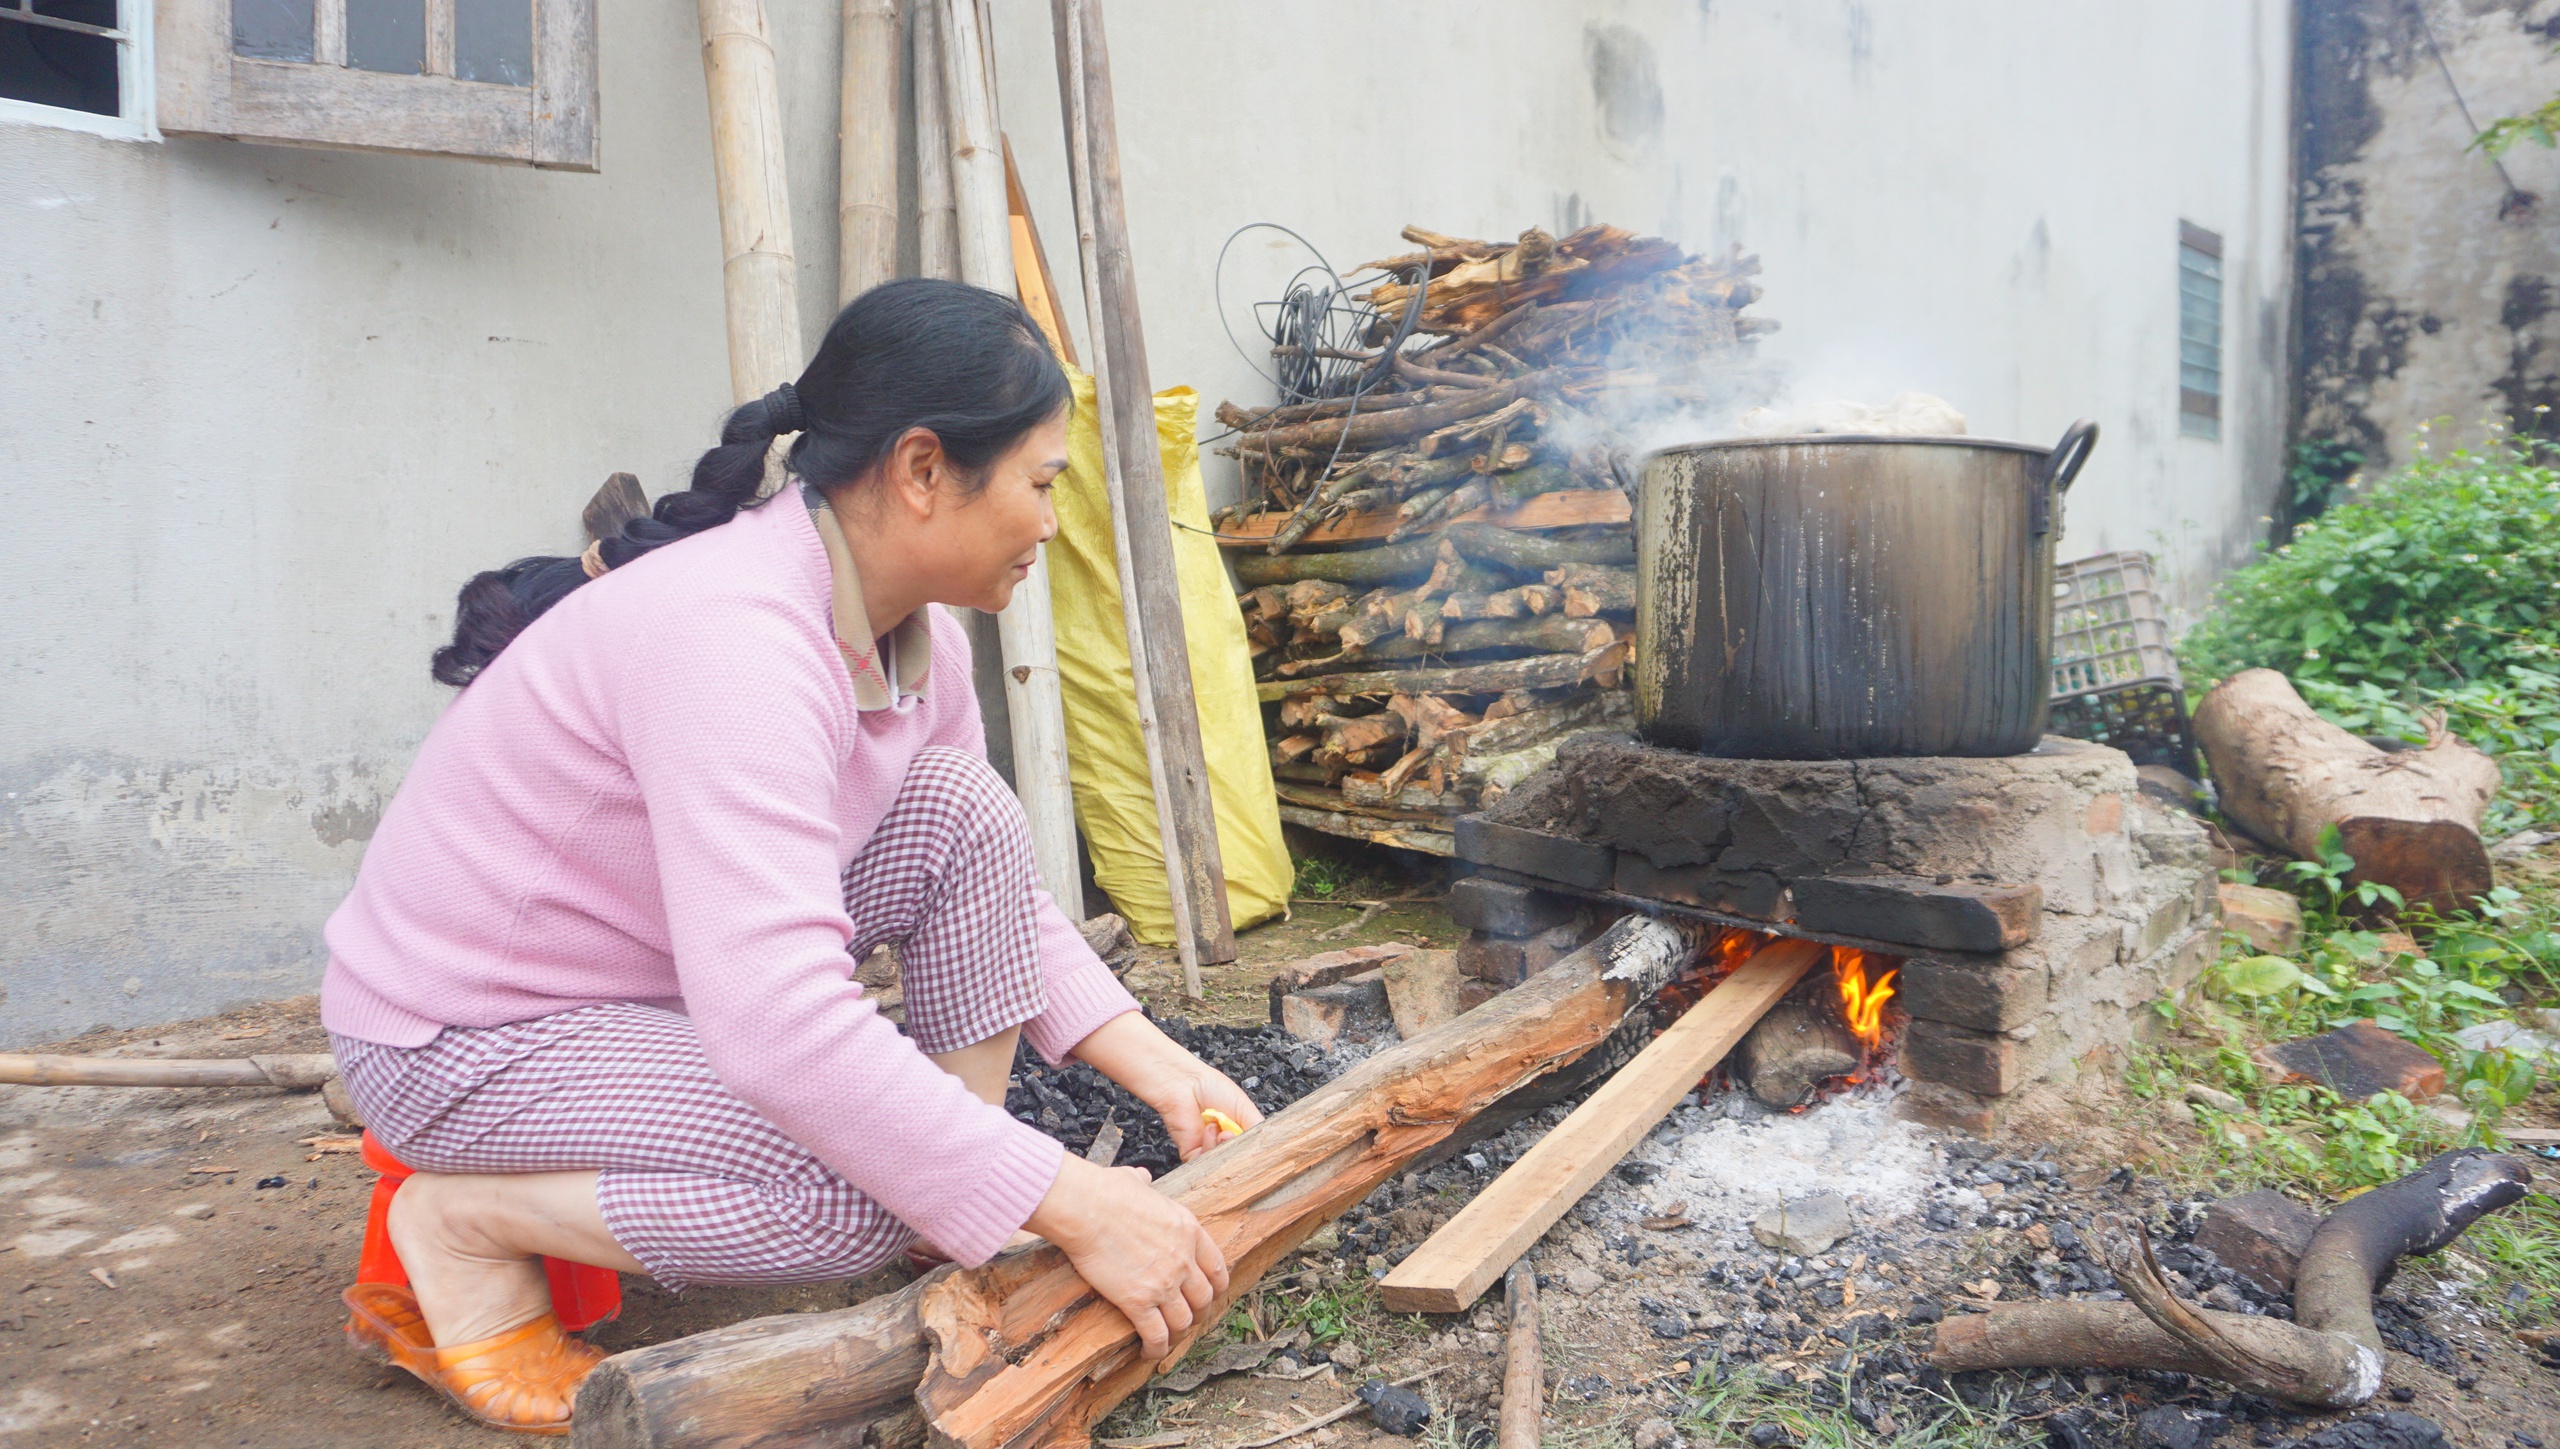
(2035, 903)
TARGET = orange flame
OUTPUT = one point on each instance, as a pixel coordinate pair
(1862, 1003)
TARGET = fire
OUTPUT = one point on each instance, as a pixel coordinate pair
(1861, 1003)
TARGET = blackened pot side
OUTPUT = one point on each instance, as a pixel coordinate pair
(1838, 597)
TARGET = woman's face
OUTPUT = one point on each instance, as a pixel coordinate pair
(981, 546)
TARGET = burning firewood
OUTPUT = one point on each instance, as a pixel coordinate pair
(2329, 1356)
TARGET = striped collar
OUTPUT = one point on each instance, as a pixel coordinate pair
(909, 646)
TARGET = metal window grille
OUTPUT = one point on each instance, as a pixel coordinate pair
(76, 63)
(2199, 332)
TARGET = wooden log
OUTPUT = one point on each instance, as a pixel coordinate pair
(301, 1070)
(1367, 566)
(1457, 1263)
(1026, 629)
(1185, 811)
(937, 214)
(759, 276)
(867, 150)
(1525, 726)
(1391, 425)
(1024, 1353)
(1524, 554)
(1365, 732)
(2329, 1356)
(1569, 508)
(1300, 713)
(2410, 818)
(1552, 634)
(1524, 1392)
(1295, 747)
(1545, 671)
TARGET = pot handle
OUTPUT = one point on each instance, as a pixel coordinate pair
(2060, 467)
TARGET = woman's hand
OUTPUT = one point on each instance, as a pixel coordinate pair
(1135, 1052)
(1142, 1251)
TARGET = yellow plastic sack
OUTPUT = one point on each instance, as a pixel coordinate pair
(1106, 759)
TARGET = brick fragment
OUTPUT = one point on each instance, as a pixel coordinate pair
(1934, 1105)
(2260, 1236)
(1508, 910)
(1422, 991)
(1326, 1014)
(1328, 968)
(1974, 1061)
(2356, 1061)
(1907, 910)
(2269, 920)
(1560, 858)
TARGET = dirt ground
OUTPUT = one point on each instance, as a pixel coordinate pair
(128, 1316)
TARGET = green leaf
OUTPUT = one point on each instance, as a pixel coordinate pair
(2259, 976)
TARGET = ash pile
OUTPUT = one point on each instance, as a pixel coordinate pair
(1436, 543)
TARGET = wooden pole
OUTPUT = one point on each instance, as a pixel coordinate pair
(291, 1069)
(867, 150)
(809, 1378)
(937, 222)
(1026, 629)
(755, 197)
(1462, 1259)
(1184, 804)
(1524, 1390)
(1133, 609)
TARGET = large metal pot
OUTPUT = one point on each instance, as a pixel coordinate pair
(1815, 598)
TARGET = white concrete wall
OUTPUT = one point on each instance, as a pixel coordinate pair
(265, 409)
(2427, 298)
(1977, 198)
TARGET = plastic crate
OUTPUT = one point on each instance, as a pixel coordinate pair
(2108, 628)
(2115, 679)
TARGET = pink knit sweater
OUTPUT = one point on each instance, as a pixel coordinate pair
(651, 796)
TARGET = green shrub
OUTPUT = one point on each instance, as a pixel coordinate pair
(2431, 579)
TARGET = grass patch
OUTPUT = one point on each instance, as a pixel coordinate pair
(1724, 1411)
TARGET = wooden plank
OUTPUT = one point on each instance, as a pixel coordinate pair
(1195, 864)
(1564, 508)
(761, 278)
(564, 84)
(1455, 1265)
(1026, 629)
(1317, 797)
(1031, 277)
(1400, 834)
(867, 150)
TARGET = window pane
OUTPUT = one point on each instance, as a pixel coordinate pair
(493, 41)
(62, 67)
(271, 29)
(389, 35)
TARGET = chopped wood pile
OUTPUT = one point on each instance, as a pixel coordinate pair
(1439, 571)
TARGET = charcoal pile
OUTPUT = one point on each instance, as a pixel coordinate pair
(1436, 546)
(1071, 1102)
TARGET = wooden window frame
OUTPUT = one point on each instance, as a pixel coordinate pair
(132, 122)
(206, 89)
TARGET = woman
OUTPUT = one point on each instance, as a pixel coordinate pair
(595, 980)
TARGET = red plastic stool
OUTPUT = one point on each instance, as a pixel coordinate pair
(582, 1295)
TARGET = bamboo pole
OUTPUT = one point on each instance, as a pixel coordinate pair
(937, 223)
(287, 1069)
(1028, 634)
(1132, 610)
(867, 150)
(755, 196)
(1151, 584)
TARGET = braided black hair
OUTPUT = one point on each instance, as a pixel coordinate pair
(964, 364)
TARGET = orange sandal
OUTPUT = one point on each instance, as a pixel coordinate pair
(522, 1380)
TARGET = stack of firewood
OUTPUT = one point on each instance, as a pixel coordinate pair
(1439, 572)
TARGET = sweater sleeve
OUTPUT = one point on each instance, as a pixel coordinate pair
(1082, 993)
(733, 733)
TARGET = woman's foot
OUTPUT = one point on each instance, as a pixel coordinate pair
(470, 1285)
(523, 1380)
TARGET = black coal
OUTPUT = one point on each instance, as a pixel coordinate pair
(1071, 1102)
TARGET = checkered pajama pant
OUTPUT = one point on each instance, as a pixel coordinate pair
(694, 1182)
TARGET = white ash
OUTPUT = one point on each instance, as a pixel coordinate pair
(1734, 1160)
